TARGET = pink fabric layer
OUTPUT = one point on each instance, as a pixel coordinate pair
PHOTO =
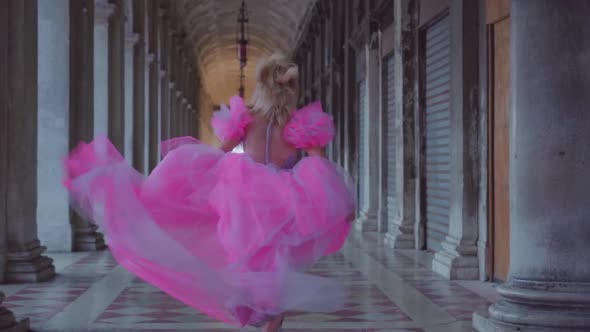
(309, 127)
(220, 232)
(230, 123)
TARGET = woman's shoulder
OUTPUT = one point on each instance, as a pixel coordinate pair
(309, 127)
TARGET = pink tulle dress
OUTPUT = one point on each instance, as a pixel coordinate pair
(222, 233)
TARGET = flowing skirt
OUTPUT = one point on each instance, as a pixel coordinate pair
(218, 231)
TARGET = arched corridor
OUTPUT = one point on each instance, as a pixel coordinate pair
(463, 123)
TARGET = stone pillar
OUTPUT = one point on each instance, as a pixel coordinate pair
(172, 109)
(178, 112)
(130, 41)
(102, 13)
(458, 258)
(116, 85)
(154, 85)
(81, 113)
(18, 139)
(369, 182)
(349, 100)
(53, 206)
(164, 49)
(139, 78)
(548, 286)
(164, 106)
(185, 115)
(146, 148)
(7, 9)
(191, 121)
(400, 233)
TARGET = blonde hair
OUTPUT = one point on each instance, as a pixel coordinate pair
(276, 91)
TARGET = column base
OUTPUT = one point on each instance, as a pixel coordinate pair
(88, 239)
(29, 265)
(8, 322)
(456, 261)
(538, 306)
(23, 325)
(400, 237)
(367, 222)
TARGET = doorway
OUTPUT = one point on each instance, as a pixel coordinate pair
(499, 138)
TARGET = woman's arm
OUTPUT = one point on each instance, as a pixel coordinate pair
(229, 145)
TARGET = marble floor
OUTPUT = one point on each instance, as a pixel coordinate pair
(392, 291)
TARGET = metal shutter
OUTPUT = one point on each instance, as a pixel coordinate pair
(438, 130)
(389, 105)
(363, 139)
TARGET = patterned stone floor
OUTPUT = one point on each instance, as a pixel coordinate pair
(392, 291)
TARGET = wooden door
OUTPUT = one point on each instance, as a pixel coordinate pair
(499, 139)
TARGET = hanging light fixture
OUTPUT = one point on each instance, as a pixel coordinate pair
(242, 39)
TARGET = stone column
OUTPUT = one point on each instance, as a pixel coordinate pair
(174, 86)
(18, 139)
(7, 8)
(116, 85)
(81, 83)
(178, 112)
(139, 78)
(102, 13)
(349, 100)
(185, 115)
(130, 41)
(548, 286)
(53, 206)
(172, 109)
(458, 259)
(400, 233)
(154, 85)
(164, 106)
(164, 49)
(146, 148)
(369, 182)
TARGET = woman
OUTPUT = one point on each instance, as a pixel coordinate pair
(229, 234)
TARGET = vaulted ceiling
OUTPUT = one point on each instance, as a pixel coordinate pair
(212, 24)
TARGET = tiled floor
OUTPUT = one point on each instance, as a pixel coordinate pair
(392, 291)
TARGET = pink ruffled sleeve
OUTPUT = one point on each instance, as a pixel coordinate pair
(230, 123)
(309, 127)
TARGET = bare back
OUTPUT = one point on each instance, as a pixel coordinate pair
(261, 136)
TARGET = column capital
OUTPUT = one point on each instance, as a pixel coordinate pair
(103, 10)
(171, 85)
(162, 73)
